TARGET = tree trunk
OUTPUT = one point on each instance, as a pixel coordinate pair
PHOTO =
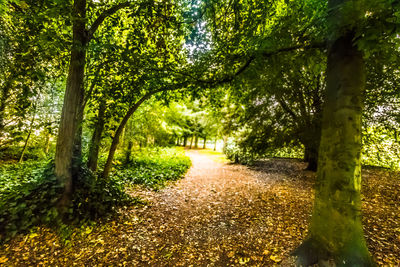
(94, 147)
(311, 157)
(335, 231)
(225, 143)
(115, 141)
(191, 142)
(128, 152)
(68, 142)
(47, 143)
(215, 144)
(311, 142)
(196, 141)
(184, 141)
(21, 158)
(205, 140)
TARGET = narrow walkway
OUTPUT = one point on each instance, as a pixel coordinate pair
(219, 215)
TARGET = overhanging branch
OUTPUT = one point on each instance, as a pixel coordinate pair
(103, 16)
(264, 55)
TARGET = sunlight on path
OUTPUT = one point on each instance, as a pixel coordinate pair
(218, 215)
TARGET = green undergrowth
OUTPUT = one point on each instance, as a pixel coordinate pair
(154, 167)
(29, 193)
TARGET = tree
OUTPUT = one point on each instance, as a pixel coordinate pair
(336, 231)
(68, 149)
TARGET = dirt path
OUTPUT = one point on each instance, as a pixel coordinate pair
(218, 215)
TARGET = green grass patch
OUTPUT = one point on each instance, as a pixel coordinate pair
(215, 155)
(154, 167)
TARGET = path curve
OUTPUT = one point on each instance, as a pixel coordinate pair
(219, 215)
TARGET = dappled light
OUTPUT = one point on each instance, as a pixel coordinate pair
(199, 133)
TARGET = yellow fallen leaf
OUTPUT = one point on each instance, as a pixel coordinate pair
(265, 252)
(33, 235)
(3, 259)
(231, 254)
(275, 258)
(243, 261)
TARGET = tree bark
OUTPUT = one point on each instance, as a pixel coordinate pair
(311, 141)
(205, 140)
(21, 158)
(128, 152)
(94, 147)
(225, 143)
(196, 141)
(215, 144)
(47, 143)
(185, 141)
(191, 142)
(67, 148)
(336, 231)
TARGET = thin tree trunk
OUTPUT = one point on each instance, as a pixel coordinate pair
(128, 152)
(115, 141)
(205, 140)
(94, 147)
(311, 142)
(225, 143)
(215, 144)
(336, 231)
(196, 141)
(191, 142)
(47, 143)
(184, 141)
(21, 158)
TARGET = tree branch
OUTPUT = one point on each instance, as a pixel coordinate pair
(103, 16)
(263, 55)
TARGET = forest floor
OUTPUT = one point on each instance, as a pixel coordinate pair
(220, 214)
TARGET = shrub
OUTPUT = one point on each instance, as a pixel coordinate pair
(29, 193)
(96, 197)
(238, 155)
(27, 197)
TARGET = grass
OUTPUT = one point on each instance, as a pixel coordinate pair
(215, 155)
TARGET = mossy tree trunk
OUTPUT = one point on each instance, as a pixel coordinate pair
(335, 232)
